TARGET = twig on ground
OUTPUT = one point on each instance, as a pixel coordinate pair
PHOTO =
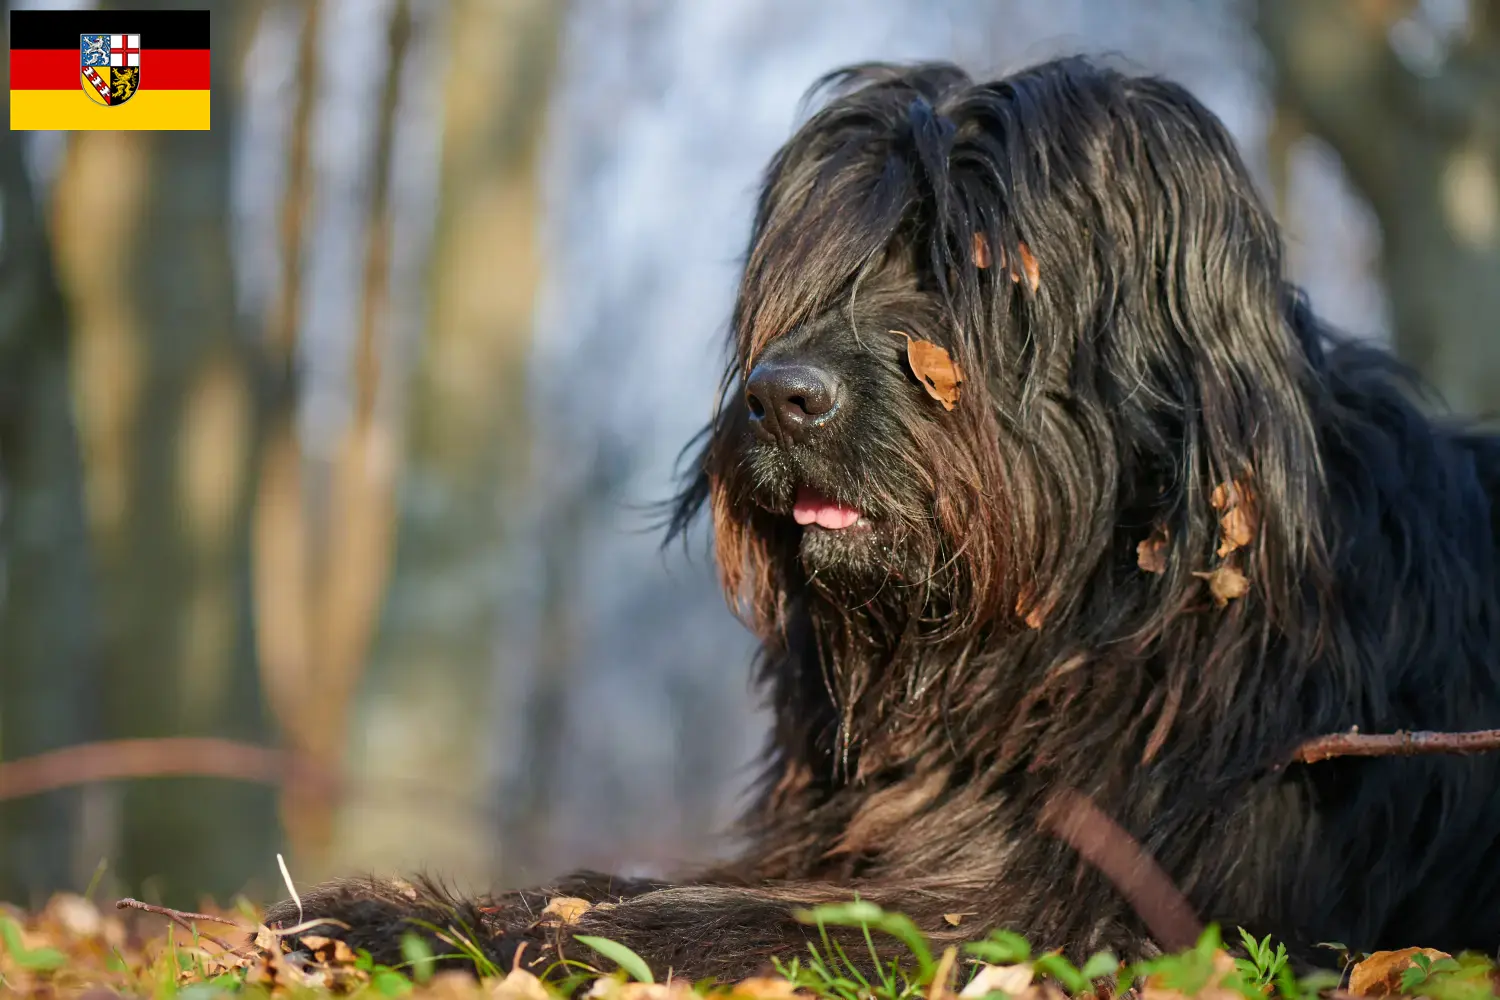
(182, 918)
(1102, 842)
(1397, 744)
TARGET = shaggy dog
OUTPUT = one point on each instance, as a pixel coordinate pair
(1032, 471)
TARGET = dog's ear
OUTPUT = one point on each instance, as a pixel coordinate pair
(1218, 327)
(679, 511)
(742, 535)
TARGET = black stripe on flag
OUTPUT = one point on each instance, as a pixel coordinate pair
(59, 29)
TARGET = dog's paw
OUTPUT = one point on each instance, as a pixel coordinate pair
(376, 914)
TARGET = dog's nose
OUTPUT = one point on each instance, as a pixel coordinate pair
(789, 399)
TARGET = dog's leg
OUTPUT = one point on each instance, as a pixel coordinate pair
(690, 931)
(375, 914)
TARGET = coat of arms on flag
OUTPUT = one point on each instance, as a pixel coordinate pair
(111, 67)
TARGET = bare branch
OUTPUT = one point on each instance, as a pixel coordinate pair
(1103, 843)
(1397, 744)
(176, 756)
(182, 918)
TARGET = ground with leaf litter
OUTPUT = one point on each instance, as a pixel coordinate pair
(74, 947)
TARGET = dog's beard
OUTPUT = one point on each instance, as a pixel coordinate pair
(852, 533)
(858, 561)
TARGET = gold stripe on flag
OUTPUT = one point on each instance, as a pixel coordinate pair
(72, 110)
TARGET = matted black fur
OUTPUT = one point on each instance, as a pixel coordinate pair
(984, 633)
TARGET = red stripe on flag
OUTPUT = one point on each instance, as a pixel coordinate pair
(59, 69)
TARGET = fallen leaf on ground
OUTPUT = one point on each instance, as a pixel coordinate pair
(1156, 987)
(267, 939)
(942, 980)
(519, 984)
(765, 988)
(1225, 584)
(1379, 975)
(935, 369)
(330, 951)
(459, 984)
(613, 989)
(1151, 554)
(1011, 979)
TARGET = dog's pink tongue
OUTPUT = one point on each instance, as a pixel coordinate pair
(812, 507)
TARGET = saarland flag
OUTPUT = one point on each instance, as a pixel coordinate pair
(116, 69)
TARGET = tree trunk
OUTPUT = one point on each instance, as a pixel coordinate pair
(464, 464)
(1424, 149)
(48, 653)
(170, 425)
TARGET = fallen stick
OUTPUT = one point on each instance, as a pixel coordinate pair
(182, 918)
(1397, 744)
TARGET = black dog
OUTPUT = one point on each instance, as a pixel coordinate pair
(1162, 530)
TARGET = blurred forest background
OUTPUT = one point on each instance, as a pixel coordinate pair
(324, 449)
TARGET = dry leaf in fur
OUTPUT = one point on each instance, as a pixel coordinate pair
(935, 369)
(1029, 610)
(566, 908)
(1225, 584)
(1151, 553)
(981, 251)
(1029, 267)
(1237, 523)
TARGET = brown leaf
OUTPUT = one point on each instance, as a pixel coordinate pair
(1214, 989)
(935, 369)
(1151, 554)
(1029, 267)
(567, 909)
(1379, 975)
(519, 984)
(1225, 584)
(981, 251)
(942, 979)
(267, 940)
(1238, 523)
(459, 984)
(1010, 979)
(1237, 530)
(1033, 614)
(765, 988)
(613, 989)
